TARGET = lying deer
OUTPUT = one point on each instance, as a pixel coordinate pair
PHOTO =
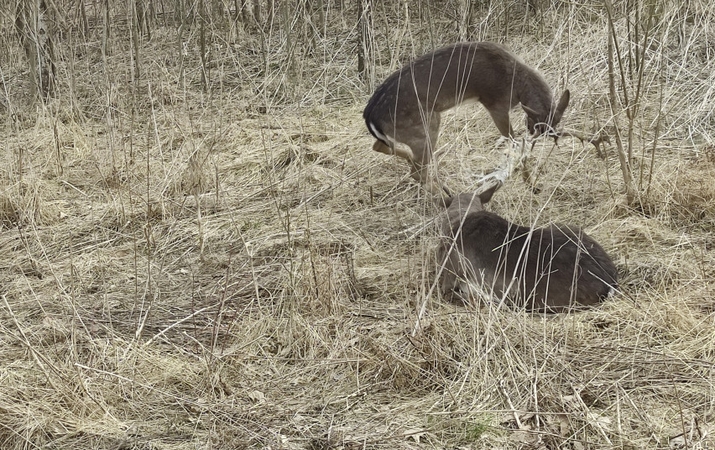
(406, 108)
(553, 269)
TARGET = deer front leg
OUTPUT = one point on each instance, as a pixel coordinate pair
(421, 173)
(500, 116)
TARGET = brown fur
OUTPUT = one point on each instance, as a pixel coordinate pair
(406, 107)
(553, 269)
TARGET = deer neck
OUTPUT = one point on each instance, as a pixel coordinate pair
(531, 89)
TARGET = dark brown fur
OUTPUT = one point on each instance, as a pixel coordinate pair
(406, 107)
(554, 269)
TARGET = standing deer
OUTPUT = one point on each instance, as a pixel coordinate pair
(406, 108)
(553, 269)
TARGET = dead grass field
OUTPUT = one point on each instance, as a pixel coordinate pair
(231, 266)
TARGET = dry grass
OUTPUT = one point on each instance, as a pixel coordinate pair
(235, 268)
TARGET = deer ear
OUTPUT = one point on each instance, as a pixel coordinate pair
(529, 111)
(485, 196)
(563, 103)
(445, 202)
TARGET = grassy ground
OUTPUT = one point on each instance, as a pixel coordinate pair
(226, 264)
